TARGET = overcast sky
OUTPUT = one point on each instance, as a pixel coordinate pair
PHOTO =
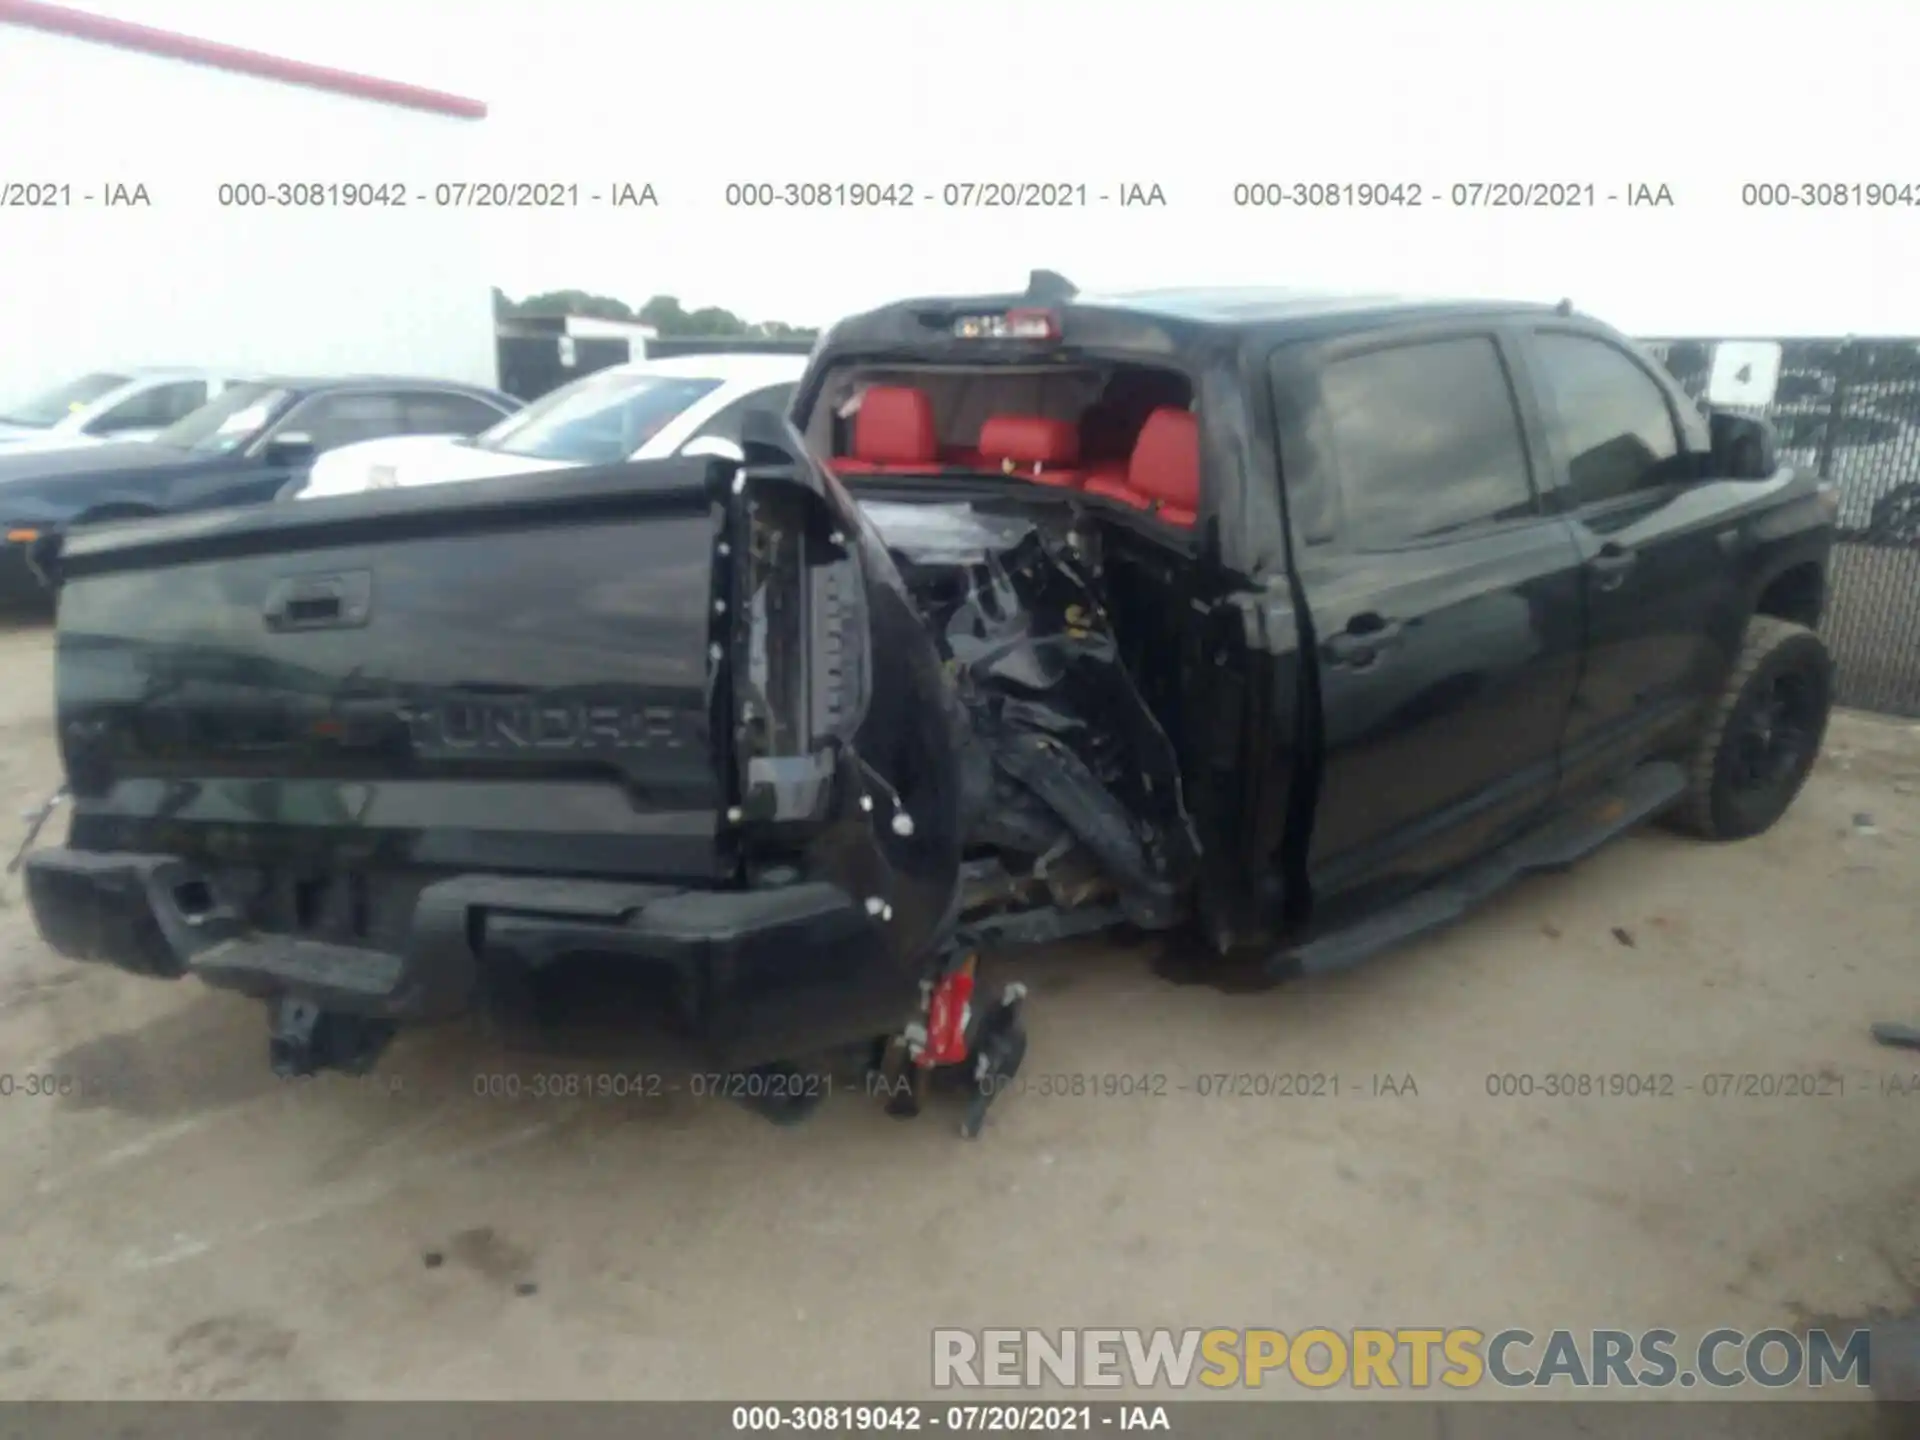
(1193, 97)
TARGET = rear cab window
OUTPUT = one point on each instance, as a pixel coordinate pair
(1118, 432)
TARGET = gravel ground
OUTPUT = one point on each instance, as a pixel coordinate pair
(181, 1224)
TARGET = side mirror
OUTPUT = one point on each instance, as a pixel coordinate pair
(717, 446)
(294, 448)
(1743, 448)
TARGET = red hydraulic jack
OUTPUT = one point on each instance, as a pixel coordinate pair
(951, 1039)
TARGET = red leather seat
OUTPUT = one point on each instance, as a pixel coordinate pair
(1044, 451)
(893, 434)
(1164, 474)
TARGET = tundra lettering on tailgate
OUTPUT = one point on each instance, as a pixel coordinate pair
(535, 722)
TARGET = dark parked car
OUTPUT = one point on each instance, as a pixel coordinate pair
(258, 437)
(1849, 410)
(1296, 625)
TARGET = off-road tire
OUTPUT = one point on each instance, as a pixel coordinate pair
(1713, 807)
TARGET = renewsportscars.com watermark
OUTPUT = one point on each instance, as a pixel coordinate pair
(1396, 1359)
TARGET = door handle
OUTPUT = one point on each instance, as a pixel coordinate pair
(320, 602)
(1366, 635)
(1611, 564)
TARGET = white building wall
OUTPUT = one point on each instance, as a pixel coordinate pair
(185, 281)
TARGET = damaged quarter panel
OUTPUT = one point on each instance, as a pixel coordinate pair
(1064, 761)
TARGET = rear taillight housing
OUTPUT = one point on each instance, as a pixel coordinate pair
(798, 638)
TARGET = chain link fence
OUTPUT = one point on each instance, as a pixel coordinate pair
(1850, 411)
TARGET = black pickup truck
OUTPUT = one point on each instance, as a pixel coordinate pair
(1294, 625)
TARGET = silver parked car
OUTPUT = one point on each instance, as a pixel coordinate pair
(108, 405)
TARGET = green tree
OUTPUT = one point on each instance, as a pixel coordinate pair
(576, 302)
(664, 313)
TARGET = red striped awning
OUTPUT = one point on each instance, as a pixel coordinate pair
(60, 20)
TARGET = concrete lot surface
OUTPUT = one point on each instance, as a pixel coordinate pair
(179, 1223)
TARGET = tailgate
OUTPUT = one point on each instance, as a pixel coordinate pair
(509, 675)
(350, 751)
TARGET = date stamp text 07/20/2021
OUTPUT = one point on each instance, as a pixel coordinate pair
(747, 194)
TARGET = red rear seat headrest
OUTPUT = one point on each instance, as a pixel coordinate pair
(894, 426)
(1166, 459)
(1029, 440)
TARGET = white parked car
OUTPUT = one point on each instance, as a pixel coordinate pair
(647, 410)
(109, 406)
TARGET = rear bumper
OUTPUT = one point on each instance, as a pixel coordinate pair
(753, 975)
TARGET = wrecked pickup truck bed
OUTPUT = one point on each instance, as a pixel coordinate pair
(1295, 626)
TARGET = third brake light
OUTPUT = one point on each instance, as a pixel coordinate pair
(1013, 325)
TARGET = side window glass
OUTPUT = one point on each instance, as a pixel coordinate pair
(1426, 440)
(1610, 418)
(153, 409)
(1306, 464)
(726, 425)
(431, 412)
(336, 420)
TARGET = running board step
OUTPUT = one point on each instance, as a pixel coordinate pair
(1555, 845)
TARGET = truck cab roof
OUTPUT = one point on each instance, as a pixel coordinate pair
(1234, 307)
(1152, 326)
(1218, 307)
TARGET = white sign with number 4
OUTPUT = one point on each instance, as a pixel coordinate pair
(1745, 373)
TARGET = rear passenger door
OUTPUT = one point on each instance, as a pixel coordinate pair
(1660, 548)
(1444, 601)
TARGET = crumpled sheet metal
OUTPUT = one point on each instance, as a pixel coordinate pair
(1063, 746)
